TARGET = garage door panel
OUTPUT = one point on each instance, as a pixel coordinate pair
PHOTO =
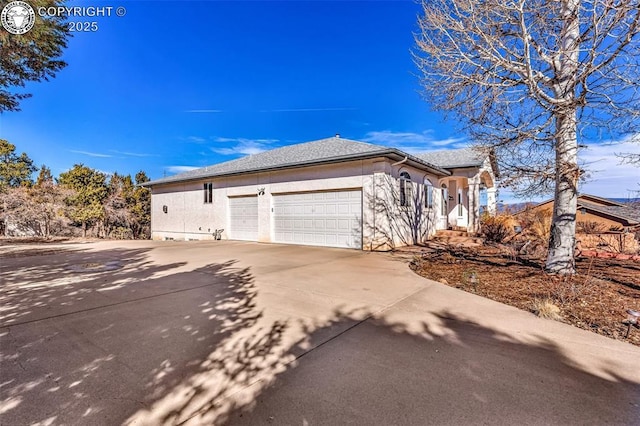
(243, 218)
(321, 218)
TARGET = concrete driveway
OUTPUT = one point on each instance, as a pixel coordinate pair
(242, 333)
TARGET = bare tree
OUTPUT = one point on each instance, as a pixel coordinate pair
(531, 77)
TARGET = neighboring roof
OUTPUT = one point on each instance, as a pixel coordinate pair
(323, 151)
(630, 216)
(600, 200)
(454, 158)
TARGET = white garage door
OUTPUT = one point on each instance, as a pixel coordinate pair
(332, 219)
(243, 218)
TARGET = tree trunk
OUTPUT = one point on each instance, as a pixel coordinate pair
(84, 229)
(560, 258)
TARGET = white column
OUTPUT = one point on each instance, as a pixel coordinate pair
(491, 200)
(473, 195)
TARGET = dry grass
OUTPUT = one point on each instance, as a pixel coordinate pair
(596, 299)
(545, 308)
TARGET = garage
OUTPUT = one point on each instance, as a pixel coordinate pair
(243, 218)
(327, 218)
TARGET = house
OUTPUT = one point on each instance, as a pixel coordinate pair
(599, 214)
(601, 224)
(331, 192)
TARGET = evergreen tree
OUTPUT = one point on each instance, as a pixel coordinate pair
(15, 170)
(33, 56)
(89, 190)
(141, 208)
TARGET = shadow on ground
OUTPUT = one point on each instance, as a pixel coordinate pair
(94, 347)
(165, 345)
(447, 371)
(372, 371)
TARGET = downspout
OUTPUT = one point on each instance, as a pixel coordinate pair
(375, 209)
(400, 162)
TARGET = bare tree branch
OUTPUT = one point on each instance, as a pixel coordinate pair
(530, 78)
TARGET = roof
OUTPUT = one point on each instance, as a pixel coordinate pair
(627, 213)
(323, 151)
(599, 200)
(454, 158)
(630, 215)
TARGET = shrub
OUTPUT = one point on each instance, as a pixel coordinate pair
(590, 227)
(536, 226)
(497, 228)
(545, 308)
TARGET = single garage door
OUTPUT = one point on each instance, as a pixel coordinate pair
(331, 218)
(243, 218)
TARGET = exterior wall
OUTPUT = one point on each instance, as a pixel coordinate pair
(391, 225)
(188, 217)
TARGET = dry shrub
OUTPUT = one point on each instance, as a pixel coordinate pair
(590, 227)
(536, 225)
(611, 242)
(497, 228)
(545, 308)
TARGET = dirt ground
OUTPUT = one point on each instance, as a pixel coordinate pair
(596, 299)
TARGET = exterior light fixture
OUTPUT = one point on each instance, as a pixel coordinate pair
(632, 320)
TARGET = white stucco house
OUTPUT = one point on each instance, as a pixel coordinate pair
(331, 192)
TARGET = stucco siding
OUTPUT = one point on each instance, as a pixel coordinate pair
(189, 217)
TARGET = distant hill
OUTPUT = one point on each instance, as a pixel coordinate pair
(625, 200)
(513, 207)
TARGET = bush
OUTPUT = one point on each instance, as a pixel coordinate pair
(590, 227)
(536, 226)
(545, 308)
(497, 228)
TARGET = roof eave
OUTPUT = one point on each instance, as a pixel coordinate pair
(629, 221)
(464, 166)
(399, 155)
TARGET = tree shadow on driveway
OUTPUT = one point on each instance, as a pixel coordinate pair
(448, 370)
(173, 344)
(93, 347)
(361, 368)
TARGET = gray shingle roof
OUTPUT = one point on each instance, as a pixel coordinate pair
(453, 158)
(626, 212)
(629, 213)
(316, 152)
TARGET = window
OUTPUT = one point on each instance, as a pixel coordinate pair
(459, 202)
(405, 189)
(208, 193)
(428, 194)
(444, 195)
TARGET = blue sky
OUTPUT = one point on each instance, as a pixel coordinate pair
(176, 85)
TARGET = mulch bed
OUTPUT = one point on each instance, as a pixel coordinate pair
(596, 299)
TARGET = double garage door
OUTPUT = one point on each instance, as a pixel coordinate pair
(331, 219)
(328, 218)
